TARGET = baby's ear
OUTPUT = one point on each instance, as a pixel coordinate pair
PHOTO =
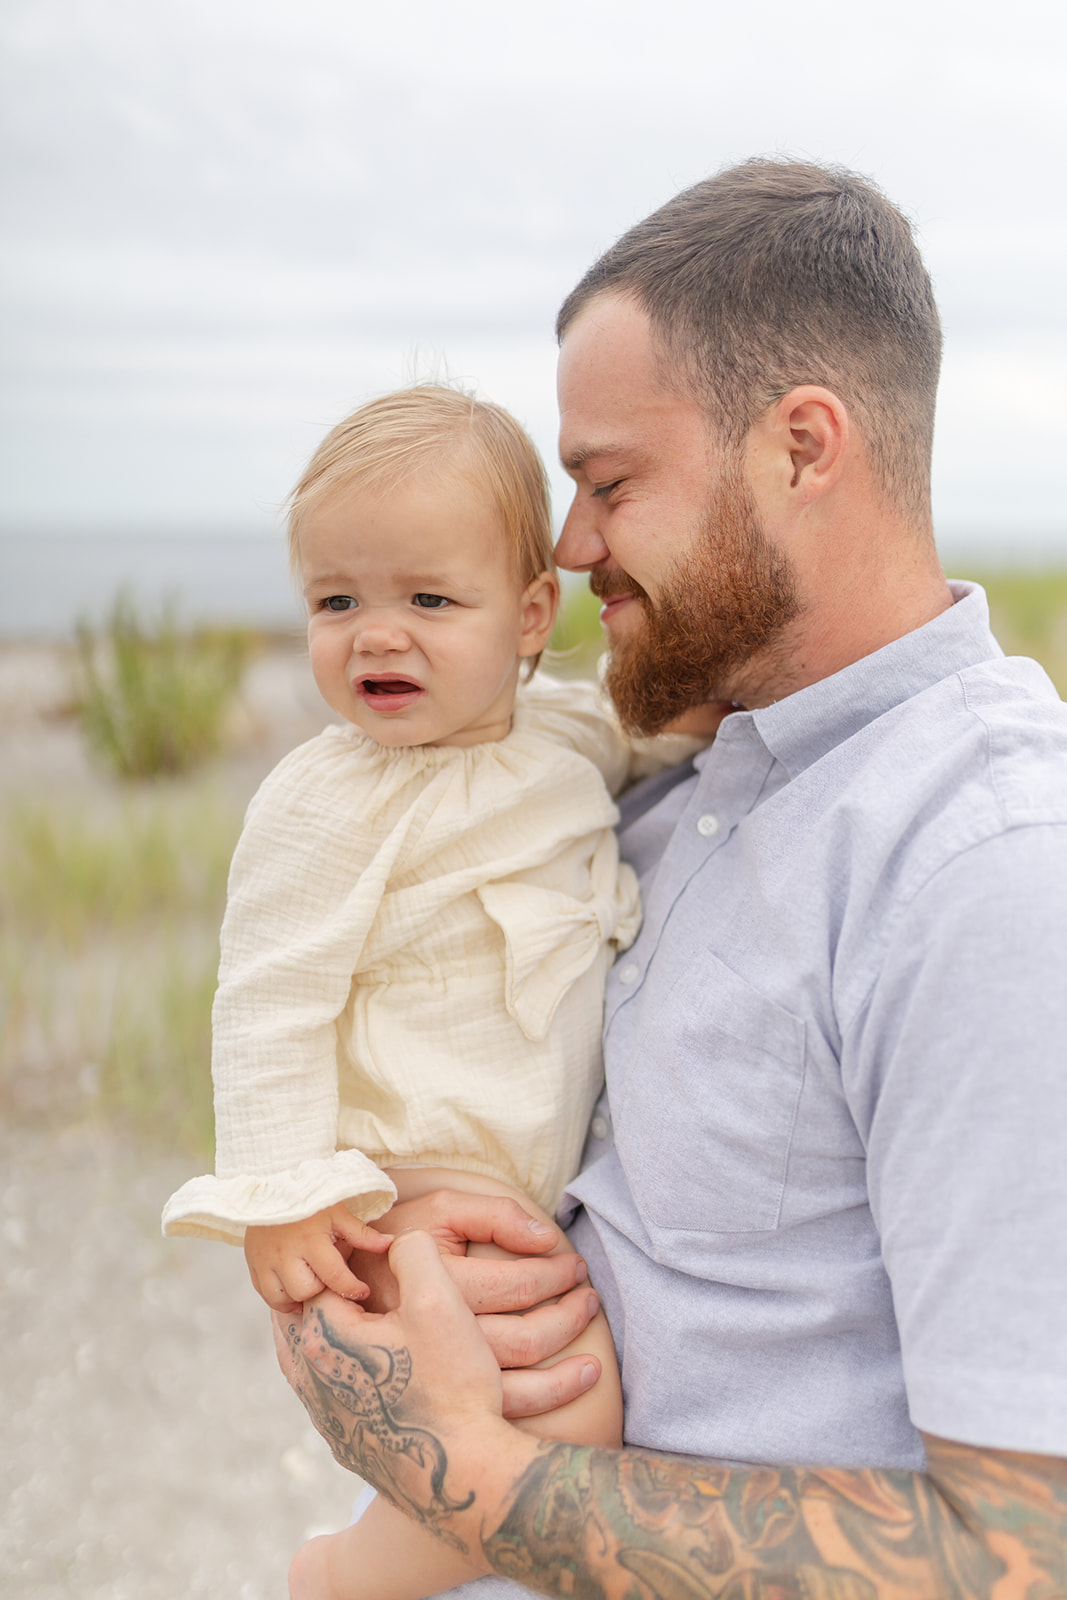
(540, 602)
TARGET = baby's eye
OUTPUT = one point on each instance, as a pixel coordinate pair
(339, 602)
(430, 602)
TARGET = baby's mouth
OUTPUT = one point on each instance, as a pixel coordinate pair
(387, 686)
(390, 694)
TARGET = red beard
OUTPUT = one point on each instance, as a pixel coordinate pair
(721, 606)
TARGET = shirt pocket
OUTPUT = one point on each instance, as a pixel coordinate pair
(705, 1119)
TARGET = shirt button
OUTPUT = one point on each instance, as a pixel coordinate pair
(707, 825)
(598, 1128)
(629, 973)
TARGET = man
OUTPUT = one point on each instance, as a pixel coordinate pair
(825, 1204)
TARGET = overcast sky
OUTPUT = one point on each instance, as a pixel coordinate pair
(229, 221)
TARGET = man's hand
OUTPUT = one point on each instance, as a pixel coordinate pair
(294, 1261)
(499, 1292)
(392, 1393)
(410, 1400)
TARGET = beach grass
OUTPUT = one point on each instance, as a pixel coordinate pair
(153, 696)
(109, 920)
(68, 874)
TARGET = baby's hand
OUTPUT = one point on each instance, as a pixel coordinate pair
(294, 1261)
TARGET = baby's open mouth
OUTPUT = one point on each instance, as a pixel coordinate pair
(387, 686)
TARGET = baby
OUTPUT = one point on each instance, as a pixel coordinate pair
(423, 904)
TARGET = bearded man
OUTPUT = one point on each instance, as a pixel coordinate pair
(824, 1202)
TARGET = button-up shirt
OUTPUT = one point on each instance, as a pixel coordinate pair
(825, 1193)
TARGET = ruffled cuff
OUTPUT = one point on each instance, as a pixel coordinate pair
(222, 1208)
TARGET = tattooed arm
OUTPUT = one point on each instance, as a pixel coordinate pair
(980, 1523)
(411, 1401)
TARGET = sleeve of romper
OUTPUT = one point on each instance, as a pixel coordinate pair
(578, 713)
(302, 895)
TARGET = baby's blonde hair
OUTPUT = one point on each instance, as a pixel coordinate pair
(430, 431)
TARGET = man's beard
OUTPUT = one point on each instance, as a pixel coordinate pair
(722, 605)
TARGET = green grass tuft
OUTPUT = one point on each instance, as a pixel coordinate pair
(154, 699)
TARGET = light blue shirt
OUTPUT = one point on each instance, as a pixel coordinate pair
(826, 1190)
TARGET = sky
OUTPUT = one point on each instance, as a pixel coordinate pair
(228, 222)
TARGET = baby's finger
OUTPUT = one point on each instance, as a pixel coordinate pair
(359, 1235)
(271, 1288)
(297, 1280)
(331, 1268)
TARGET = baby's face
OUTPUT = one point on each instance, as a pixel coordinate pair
(417, 623)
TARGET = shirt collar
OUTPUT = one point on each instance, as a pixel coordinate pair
(807, 725)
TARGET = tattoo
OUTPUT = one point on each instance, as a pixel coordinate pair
(596, 1524)
(352, 1395)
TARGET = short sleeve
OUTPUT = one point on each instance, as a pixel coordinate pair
(957, 1074)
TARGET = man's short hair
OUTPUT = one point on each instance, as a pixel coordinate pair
(773, 274)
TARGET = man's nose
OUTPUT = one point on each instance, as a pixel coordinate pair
(580, 545)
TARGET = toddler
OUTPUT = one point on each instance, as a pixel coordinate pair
(423, 904)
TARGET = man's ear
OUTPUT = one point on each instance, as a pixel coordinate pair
(539, 604)
(806, 435)
(815, 432)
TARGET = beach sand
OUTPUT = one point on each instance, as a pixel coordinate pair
(151, 1448)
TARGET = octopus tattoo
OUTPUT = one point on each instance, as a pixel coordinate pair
(407, 1463)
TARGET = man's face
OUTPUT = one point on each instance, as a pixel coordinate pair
(665, 524)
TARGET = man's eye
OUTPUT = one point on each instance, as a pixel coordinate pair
(602, 490)
(430, 602)
(339, 602)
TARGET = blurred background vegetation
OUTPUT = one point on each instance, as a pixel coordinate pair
(111, 891)
(152, 698)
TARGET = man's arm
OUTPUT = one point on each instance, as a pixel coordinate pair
(978, 1523)
(411, 1401)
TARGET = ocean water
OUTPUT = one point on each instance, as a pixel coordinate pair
(50, 580)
